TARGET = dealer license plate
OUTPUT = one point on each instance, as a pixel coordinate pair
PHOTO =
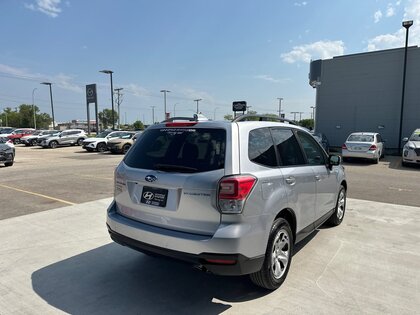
(154, 196)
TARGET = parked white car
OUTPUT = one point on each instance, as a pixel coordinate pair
(411, 150)
(99, 143)
(363, 145)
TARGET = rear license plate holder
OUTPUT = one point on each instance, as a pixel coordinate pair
(154, 196)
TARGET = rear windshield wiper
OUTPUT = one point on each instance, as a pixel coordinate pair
(170, 167)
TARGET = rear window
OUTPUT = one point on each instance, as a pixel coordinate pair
(186, 150)
(360, 138)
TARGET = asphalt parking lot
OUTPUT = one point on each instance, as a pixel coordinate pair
(58, 258)
(43, 179)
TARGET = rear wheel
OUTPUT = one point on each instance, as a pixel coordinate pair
(34, 142)
(278, 257)
(125, 148)
(376, 160)
(16, 141)
(340, 208)
(80, 141)
(53, 144)
(101, 147)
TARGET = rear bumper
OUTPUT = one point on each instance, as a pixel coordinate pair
(370, 155)
(228, 249)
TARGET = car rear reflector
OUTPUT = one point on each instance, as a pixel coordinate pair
(180, 124)
(221, 261)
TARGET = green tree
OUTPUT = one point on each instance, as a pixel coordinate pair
(228, 117)
(43, 121)
(105, 117)
(307, 123)
(138, 125)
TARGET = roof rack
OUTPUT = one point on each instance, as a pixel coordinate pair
(262, 118)
(196, 117)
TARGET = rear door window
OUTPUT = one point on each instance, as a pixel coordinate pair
(187, 150)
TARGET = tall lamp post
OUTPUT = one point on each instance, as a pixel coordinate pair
(110, 72)
(52, 104)
(407, 25)
(33, 106)
(280, 99)
(197, 100)
(313, 114)
(174, 108)
(164, 101)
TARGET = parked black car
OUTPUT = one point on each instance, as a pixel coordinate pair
(7, 153)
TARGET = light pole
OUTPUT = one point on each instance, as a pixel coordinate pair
(153, 114)
(280, 99)
(174, 108)
(407, 25)
(197, 100)
(118, 104)
(164, 101)
(33, 107)
(110, 72)
(214, 113)
(52, 104)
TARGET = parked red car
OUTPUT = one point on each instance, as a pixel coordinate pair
(19, 133)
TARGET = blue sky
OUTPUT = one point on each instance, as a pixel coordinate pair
(215, 50)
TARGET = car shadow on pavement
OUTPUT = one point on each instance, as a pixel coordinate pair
(395, 162)
(112, 279)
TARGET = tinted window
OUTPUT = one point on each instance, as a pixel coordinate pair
(287, 147)
(361, 138)
(311, 148)
(179, 150)
(261, 147)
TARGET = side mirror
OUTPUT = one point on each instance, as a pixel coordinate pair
(405, 139)
(334, 160)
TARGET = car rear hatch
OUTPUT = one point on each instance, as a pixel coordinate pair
(169, 178)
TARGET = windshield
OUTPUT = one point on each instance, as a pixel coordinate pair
(185, 150)
(360, 138)
(415, 136)
(103, 134)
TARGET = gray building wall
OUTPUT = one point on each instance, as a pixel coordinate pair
(362, 92)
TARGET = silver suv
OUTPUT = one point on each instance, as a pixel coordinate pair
(66, 137)
(229, 197)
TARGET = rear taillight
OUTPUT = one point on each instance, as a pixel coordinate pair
(372, 147)
(233, 192)
(344, 147)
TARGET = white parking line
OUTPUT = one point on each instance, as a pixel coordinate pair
(399, 189)
(39, 195)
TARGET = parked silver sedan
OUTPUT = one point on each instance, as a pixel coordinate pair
(363, 145)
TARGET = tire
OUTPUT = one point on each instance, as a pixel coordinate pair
(80, 141)
(340, 208)
(344, 159)
(53, 144)
(34, 142)
(89, 149)
(16, 141)
(101, 147)
(275, 267)
(8, 163)
(376, 160)
(125, 148)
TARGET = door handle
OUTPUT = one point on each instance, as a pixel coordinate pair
(291, 180)
(318, 178)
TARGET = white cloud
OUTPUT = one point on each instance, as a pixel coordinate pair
(65, 82)
(397, 39)
(269, 78)
(300, 4)
(137, 90)
(377, 16)
(390, 11)
(48, 7)
(320, 49)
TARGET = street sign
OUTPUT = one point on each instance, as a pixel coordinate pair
(239, 106)
(91, 93)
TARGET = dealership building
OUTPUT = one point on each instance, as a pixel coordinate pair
(363, 92)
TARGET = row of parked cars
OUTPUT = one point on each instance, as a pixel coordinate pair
(114, 141)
